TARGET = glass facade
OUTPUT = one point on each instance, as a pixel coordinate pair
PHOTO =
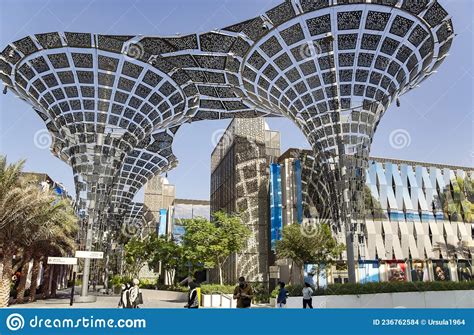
(183, 209)
(418, 223)
(368, 271)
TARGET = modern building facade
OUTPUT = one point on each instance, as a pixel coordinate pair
(239, 185)
(184, 209)
(418, 219)
(47, 183)
(169, 211)
(159, 196)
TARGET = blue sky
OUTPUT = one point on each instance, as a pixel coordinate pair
(438, 116)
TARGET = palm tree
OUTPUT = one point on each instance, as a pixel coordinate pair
(25, 210)
(24, 228)
(61, 243)
(54, 238)
(37, 257)
(28, 255)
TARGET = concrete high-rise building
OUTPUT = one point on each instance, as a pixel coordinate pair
(169, 211)
(239, 184)
(159, 196)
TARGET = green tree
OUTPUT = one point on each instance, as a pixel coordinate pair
(316, 246)
(166, 251)
(136, 254)
(209, 244)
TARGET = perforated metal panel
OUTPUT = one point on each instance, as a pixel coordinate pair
(333, 67)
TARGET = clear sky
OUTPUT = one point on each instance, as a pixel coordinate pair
(437, 117)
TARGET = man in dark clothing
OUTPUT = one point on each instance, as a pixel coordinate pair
(193, 298)
(282, 295)
(243, 293)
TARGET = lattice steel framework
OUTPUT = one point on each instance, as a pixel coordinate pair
(331, 66)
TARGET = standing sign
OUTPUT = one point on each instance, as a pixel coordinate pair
(62, 260)
(90, 254)
(275, 272)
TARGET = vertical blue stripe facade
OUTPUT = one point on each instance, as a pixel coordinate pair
(299, 194)
(275, 204)
(162, 223)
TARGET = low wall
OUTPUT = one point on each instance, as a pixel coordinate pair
(430, 299)
(214, 300)
(164, 295)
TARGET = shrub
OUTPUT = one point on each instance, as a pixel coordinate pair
(382, 287)
(118, 280)
(261, 294)
(212, 288)
(260, 291)
(175, 288)
(148, 283)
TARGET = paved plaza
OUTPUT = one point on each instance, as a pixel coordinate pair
(151, 299)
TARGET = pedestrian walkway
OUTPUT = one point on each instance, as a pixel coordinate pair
(151, 299)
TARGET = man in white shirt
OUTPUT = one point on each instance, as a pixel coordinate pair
(307, 293)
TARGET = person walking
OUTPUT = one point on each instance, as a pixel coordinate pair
(243, 293)
(135, 294)
(282, 295)
(307, 296)
(193, 298)
(124, 301)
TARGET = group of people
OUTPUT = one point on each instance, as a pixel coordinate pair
(131, 295)
(243, 293)
(283, 294)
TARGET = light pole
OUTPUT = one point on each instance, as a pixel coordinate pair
(85, 297)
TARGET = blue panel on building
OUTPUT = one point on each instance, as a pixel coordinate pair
(58, 190)
(439, 216)
(368, 272)
(275, 204)
(162, 223)
(412, 216)
(397, 216)
(427, 216)
(299, 194)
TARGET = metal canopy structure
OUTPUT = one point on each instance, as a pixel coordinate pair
(332, 66)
